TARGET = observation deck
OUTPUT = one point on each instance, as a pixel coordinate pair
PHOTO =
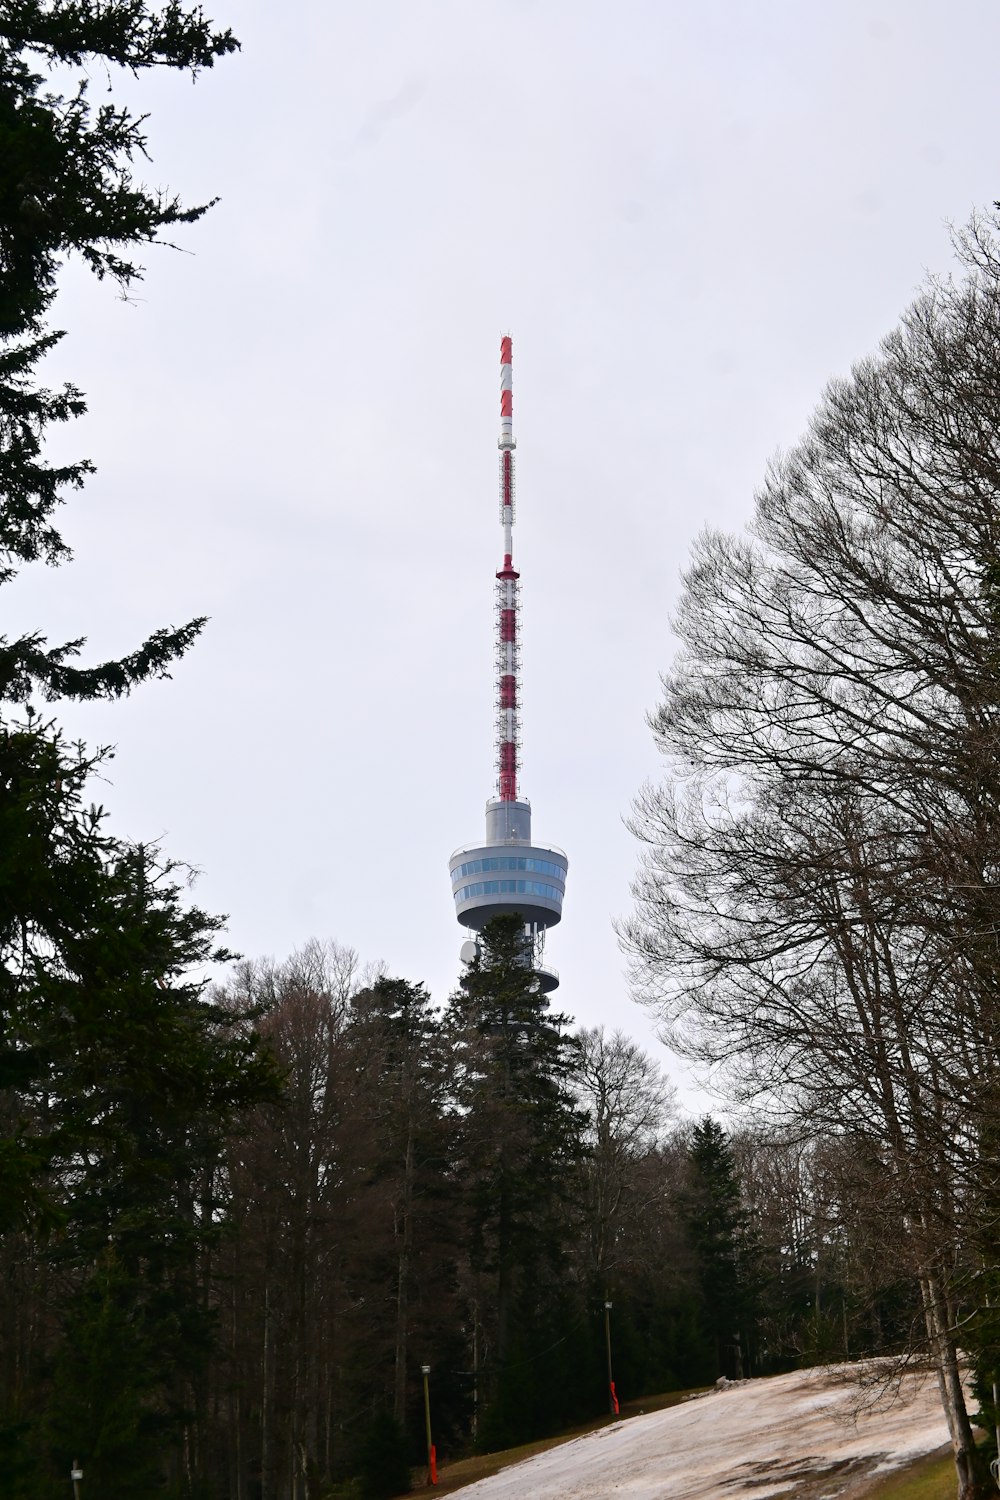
(507, 873)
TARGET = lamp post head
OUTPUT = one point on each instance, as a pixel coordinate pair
(425, 1369)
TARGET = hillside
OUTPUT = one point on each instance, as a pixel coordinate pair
(817, 1434)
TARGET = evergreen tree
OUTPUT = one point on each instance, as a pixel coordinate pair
(401, 1068)
(718, 1230)
(118, 1081)
(66, 189)
(520, 1144)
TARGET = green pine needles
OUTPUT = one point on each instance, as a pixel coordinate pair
(119, 1079)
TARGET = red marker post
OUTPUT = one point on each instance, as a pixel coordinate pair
(432, 1471)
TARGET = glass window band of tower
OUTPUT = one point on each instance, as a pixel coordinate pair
(508, 862)
(509, 888)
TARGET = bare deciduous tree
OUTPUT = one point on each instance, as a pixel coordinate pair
(817, 909)
(629, 1105)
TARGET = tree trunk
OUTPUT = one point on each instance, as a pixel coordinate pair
(402, 1282)
(950, 1384)
(265, 1404)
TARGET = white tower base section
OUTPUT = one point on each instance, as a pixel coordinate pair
(508, 874)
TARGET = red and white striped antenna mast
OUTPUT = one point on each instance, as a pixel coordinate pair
(508, 738)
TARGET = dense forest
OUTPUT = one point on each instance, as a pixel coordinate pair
(246, 1228)
(463, 1188)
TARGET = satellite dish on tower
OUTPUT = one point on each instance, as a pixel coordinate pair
(469, 951)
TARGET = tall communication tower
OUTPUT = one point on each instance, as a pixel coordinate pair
(508, 874)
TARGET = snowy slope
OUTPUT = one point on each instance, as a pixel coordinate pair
(815, 1432)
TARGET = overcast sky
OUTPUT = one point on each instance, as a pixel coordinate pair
(688, 215)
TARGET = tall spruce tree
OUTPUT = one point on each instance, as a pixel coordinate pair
(717, 1227)
(521, 1139)
(117, 1080)
(118, 1083)
(66, 189)
(401, 1065)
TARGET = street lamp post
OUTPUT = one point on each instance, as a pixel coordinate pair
(432, 1477)
(612, 1398)
(76, 1474)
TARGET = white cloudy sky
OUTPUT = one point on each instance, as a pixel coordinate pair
(689, 216)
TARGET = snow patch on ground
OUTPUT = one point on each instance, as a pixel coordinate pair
(815, 1432)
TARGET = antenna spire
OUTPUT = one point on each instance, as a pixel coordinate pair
(508, 730)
